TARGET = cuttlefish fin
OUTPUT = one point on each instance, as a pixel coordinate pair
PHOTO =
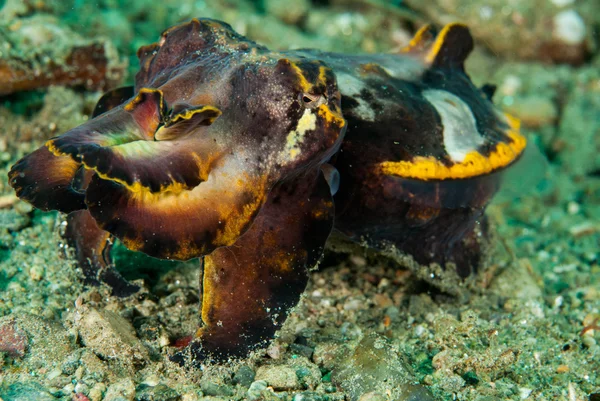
(421, 41)
(249, 288)
(447, 49)
(184, 118)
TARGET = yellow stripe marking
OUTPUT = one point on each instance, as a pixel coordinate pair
(304, 84)
(139, 99)
(473, 165)
(137, 189)
(418, 40)
(189, 113)
(323, 74)
(439, 41)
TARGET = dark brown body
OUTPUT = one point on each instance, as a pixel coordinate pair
(236, 155)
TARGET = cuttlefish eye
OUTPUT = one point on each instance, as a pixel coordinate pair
(311, 101)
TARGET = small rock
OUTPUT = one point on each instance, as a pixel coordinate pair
(310, 396)
(95, 368)
(329, 354)
(274, 351)
(416, 392)
(36, 272)
(517, 281)
(373, 366)
(584, 229)
(449, 381)
(13, 341)
(256, 390)
(303, 350)
(27, 391)
(215, 390)
(53, 374)
(12, 220)
(109, 335)
(7, 201)
(244, 376)
(69, 366)
(307, 372)
(383, 301)
(588, 341)
(353, 304)
(160, 392)
(279, 377)
(372, 396)
(121, 390)
(80, 397)
(96, 392)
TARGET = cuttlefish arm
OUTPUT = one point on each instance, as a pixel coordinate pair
(91, 245)
(173, 199)
(92, 249)
(249, 288)
(46, 181)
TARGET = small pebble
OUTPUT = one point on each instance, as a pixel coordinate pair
(36, 272)
(279, 377)
(53, 374)
(244, 376)
(573, 208)
(7, 201)
(80, 397)
(255, 392)
(588, 340)
(274, 351)
(12, 340)
(95, 393)
(215, 390)
(524, 392)
(584, 229)
(372, 396)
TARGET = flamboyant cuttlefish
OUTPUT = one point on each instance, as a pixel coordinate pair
(234, 154)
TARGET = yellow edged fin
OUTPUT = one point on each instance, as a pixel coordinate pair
(451, 47)
(420, 41)
(448, 49)
(474, 164)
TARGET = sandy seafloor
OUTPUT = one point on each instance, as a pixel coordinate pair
(366, 329)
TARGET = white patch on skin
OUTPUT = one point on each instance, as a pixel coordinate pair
(460, 128)
(403, 67)
(351, 86)
(307, 122)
